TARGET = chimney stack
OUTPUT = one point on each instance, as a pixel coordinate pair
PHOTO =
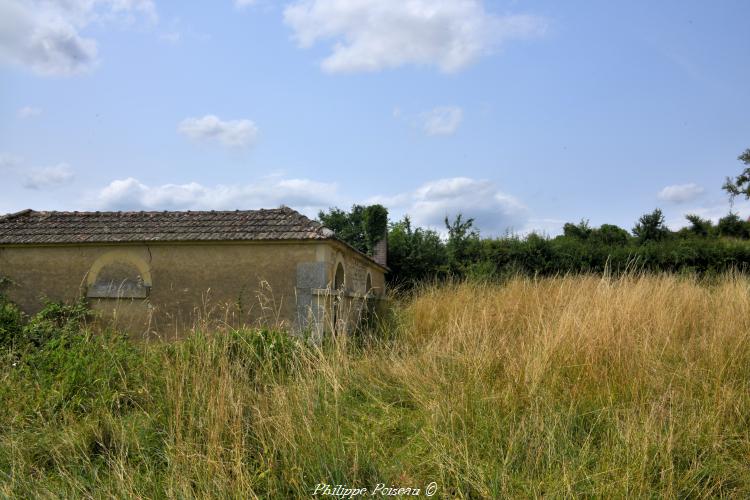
(380, 252)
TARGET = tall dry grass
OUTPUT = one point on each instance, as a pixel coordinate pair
(580, 385)
(571, 386)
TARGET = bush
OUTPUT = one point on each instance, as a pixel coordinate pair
(11, 324)
(78, 372)
(11, 318)
(55, 320)
(733, 226)
(651, 227)
(71, 369)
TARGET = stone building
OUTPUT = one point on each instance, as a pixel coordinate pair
(165, 272)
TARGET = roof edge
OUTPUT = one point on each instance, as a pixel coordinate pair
(325, 233)
(13, 215)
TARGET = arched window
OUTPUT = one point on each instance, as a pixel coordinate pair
(338, 280)
(368, 285)
(118, 275)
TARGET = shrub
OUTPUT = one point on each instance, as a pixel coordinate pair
(733, 226)
(11, 323)
(11, 318)
(78, 372)
(55, 320)
(651, 227)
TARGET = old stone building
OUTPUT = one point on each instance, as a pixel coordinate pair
(165, 272)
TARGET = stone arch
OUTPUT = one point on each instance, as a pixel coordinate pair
(339, 276)
(119, 274)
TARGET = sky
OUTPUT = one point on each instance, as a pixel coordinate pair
(521, 114)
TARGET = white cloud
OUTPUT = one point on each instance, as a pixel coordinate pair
(371, 35)
(38, 178)
(131, 194)
(442, 120)
(237, 133)
(493, 211)
(45, 36)
(29, 112)
(680, 193)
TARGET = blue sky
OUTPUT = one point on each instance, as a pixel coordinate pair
(522, 114)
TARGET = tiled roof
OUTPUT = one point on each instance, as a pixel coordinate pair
(32, 227)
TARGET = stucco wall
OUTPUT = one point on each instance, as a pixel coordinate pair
(346, 309)
(355, 269)
(188, 283)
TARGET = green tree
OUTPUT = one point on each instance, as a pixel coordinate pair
(346, 225)
(699, 226)
(651, 227)
(609, 234)
(741, 184)
(580, 231)
(462, 246)
(362, 227)
(733, 226)
(415, 254)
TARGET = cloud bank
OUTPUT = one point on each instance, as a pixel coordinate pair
(302, 194)
(45, 36)
(371, 35)
(494, 212)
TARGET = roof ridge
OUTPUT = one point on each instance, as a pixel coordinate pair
(13, 215)
(320, 228)
(110, 212)
(57, 227)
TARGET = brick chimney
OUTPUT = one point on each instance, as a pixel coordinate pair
(380, 252)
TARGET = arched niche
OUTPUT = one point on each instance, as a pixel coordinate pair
(119, 274)
(339, 278)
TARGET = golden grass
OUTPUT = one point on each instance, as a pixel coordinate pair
(571, 386)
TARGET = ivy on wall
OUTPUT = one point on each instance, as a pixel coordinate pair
(374, 225)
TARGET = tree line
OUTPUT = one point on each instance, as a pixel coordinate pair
(417, 254)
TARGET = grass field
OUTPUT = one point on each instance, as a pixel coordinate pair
(574, 386)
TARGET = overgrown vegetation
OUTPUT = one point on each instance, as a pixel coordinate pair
(568, 386)
(563, 367)
(362, 227)
(423, 255)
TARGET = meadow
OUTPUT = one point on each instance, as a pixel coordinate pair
(630, 386)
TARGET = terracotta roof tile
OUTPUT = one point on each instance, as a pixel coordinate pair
(32, 227)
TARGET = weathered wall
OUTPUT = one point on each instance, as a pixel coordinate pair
(186, 283)
(325, 309)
